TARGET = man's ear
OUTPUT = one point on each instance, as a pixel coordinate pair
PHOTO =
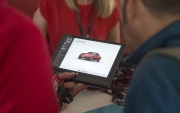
(131, 9)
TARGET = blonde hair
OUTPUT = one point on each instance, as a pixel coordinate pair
(104, 7)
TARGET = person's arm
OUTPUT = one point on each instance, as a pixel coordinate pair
(114, 34)
(40, 21)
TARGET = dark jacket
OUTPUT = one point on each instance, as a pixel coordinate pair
(155, 87)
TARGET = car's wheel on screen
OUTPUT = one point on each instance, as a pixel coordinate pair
(91, 59)
(98, 60)
(79, 57)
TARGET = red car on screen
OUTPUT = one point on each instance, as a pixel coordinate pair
(90, 56)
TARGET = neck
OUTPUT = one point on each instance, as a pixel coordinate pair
(85, 2)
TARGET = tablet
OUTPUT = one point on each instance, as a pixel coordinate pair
(94, 61)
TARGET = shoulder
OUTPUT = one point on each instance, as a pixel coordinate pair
(48, 8)
(158, 61)
(17, 31)
(114, 17)
(154, 82)
(23, 52)
(15, 22)
(117, 7)
(159, 65)
(116, 10)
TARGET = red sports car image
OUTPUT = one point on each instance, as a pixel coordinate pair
(90, 56)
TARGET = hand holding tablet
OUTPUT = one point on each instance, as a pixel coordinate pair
(93, 61)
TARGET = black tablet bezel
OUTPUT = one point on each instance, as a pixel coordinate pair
(88, 78)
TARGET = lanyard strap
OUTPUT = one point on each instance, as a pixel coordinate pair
(80, 25)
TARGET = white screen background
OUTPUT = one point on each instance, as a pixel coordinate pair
(108, 53)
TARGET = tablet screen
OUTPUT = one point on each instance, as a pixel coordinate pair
(86, 56)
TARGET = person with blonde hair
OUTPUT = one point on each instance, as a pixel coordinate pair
(89, 18)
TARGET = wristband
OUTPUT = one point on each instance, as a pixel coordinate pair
(57, 82)
(64, 95)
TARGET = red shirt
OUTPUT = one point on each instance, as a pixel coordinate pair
(25, 68)
(62, 20)
(26, 6)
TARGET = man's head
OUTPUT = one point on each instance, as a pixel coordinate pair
(144, 18)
